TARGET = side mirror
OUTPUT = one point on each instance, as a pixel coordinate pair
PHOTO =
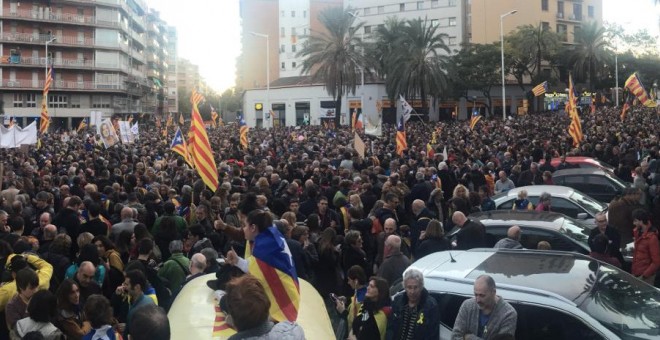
(582, 216)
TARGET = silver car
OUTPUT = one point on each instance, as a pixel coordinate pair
(565, 200)
(557, 295)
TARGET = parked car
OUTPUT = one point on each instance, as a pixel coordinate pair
(557, 295)
(562, 232)
(565, 200)
(599, 184)
(193, 313)
(581, 162)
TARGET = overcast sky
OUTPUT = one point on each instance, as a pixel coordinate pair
(209, 31)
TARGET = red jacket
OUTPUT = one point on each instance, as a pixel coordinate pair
(646, 258)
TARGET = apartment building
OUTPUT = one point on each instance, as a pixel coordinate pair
(562, 16)
(103, 54)
(187, 75)
(446, 15)
(157, 55)
(171, 60)
(285, 23)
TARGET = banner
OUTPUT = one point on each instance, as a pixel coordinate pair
(373, 122)
(125, 132)
(135, 130)
(358, 145)
(107, 132)
(16, 136)
(327, 112)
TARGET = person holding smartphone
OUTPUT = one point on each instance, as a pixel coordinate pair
(357, 279)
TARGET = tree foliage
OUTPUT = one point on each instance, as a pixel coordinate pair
(527, 48)
(587, 57)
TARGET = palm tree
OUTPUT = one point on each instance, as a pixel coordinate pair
(589, 53)
(334, 56)
(414, 65)
(534, 45)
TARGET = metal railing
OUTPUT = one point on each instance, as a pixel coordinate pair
(62, 85)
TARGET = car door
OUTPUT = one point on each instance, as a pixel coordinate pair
(547, 323)
(600, 188)
(448, 305)
(566, 207)
(531, 236)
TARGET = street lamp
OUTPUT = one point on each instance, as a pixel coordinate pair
(261, 35)
(502, 46)
(48, 42)
(357, 16)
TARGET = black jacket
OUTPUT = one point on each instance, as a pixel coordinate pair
(471, 235)
(432, 245)
(427, 324)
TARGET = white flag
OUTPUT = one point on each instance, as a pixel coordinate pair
(135, 130)
(407, 109)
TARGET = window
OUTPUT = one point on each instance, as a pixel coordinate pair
(18, 100)
(590, 11)
(402, 7)
(577, 12)
(381, 9)
(452, 21)
(545, 25)
(283, 66)
(81, 11)
(449, 304)
(420, 4)
(560, 8)
(452, 3)
(293, 64)
(435, 3)
(536, 322)
(367, 11)
(544, 5)
(282, 32)
(75, 102)
(100, 102)
(304, 14)
(367, 29)
(282, 48)
(58, 101)
(293, 14)
(30, 100)
(451, 41)
(293, 31)
(565, 207)
(434, 22)
(561, 29)
(293, 48)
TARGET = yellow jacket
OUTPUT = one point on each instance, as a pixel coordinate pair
(44, 272)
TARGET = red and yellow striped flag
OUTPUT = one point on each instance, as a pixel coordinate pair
(45, 118)
(635, 86)
(243, 133)
(202, 154)
(575, 127)
(214, 117)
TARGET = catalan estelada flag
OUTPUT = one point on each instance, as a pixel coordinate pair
(540, 89)
(401, 142)
(575, 127)
(201, 147)
(82, 125)
(179, 146)
(475, 119)
(627, 103)
(634, 84)
(220, 327)
(45, 119)
(214, 117)
(243, 133)
(269, 260)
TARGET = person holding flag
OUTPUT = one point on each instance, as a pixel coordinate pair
(475, 119)
(268, 258)
(243, 133)
(82, 125)
(179, 146)
(214, 117)
(401, 142)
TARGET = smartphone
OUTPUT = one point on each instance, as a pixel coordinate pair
(334, 297)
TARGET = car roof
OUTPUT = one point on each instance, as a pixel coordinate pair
(541, 219)
(537, 190)
(580, 171)
(513, 269)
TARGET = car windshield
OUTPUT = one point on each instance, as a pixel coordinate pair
(575, 230)
(588, 203)
(627, 306)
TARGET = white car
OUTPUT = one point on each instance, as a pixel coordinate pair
(557, 295)
(565, 200)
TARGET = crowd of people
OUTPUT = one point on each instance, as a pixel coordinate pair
(92, 240)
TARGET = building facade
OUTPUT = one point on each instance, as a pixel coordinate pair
(286, 23)
(102, 53)
(171, 60)
(157, 55)
(562, 16)
(187, 75)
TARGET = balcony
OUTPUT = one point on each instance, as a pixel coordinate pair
(60, 85)
(568, 18)
(40, 39)
(153, 58)
(57, 63)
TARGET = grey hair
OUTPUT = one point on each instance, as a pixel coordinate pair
(176, 246)
(545, 197)
(490, 283)
(210, 254)
(414, 274)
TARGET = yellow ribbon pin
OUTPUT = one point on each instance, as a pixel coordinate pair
(420, 320)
